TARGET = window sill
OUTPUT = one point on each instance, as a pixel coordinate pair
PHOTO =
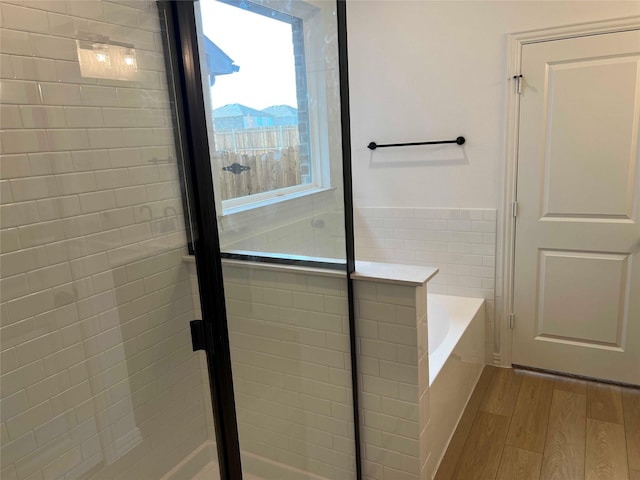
(273, 200)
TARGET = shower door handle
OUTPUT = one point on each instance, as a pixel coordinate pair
(197, 335)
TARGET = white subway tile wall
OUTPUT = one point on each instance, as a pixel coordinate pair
(309, 227)
(97, 375)
(394, 379)
(291, 362)
(461, 242)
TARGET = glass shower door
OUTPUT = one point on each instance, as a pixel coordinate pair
(270, 81)
(98, 377)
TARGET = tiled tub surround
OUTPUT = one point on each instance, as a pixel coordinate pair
(401, 439)
(97, 375)
(461, 242)
(289, 338)
(410, 408)
(290, 354)
(291, 363)
(393, 358)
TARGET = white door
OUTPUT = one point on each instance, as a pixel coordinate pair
(577, 255)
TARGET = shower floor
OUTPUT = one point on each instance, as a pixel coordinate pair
(202, 464)
(211, 472)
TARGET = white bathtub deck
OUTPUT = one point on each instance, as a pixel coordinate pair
(391, 273)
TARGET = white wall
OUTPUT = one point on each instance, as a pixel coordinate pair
(427, 70)
(435, 70)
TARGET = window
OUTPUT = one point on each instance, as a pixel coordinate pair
(270, 72)
(263, 145)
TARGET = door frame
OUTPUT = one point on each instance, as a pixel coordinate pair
(504, 333)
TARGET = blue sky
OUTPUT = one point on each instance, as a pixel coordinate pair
(263, 49)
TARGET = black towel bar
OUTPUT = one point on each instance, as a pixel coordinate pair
(374, 145)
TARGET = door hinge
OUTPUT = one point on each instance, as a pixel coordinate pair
(512, 319)
(518, 84)
(514, 209)
(197, 335)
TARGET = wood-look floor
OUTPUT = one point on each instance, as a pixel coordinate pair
(521, 425)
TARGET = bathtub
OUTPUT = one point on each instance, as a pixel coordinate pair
(456, 358)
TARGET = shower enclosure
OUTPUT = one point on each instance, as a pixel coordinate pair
(155, 201)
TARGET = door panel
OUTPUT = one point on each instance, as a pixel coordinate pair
(585, 128)
(582, 297)
(577, 265)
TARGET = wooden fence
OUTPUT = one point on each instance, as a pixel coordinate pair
(257, 140)
(270, 170)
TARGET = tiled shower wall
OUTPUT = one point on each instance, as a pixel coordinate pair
(290, 354)
(98, 378)
(461, 242)
(307, 226)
